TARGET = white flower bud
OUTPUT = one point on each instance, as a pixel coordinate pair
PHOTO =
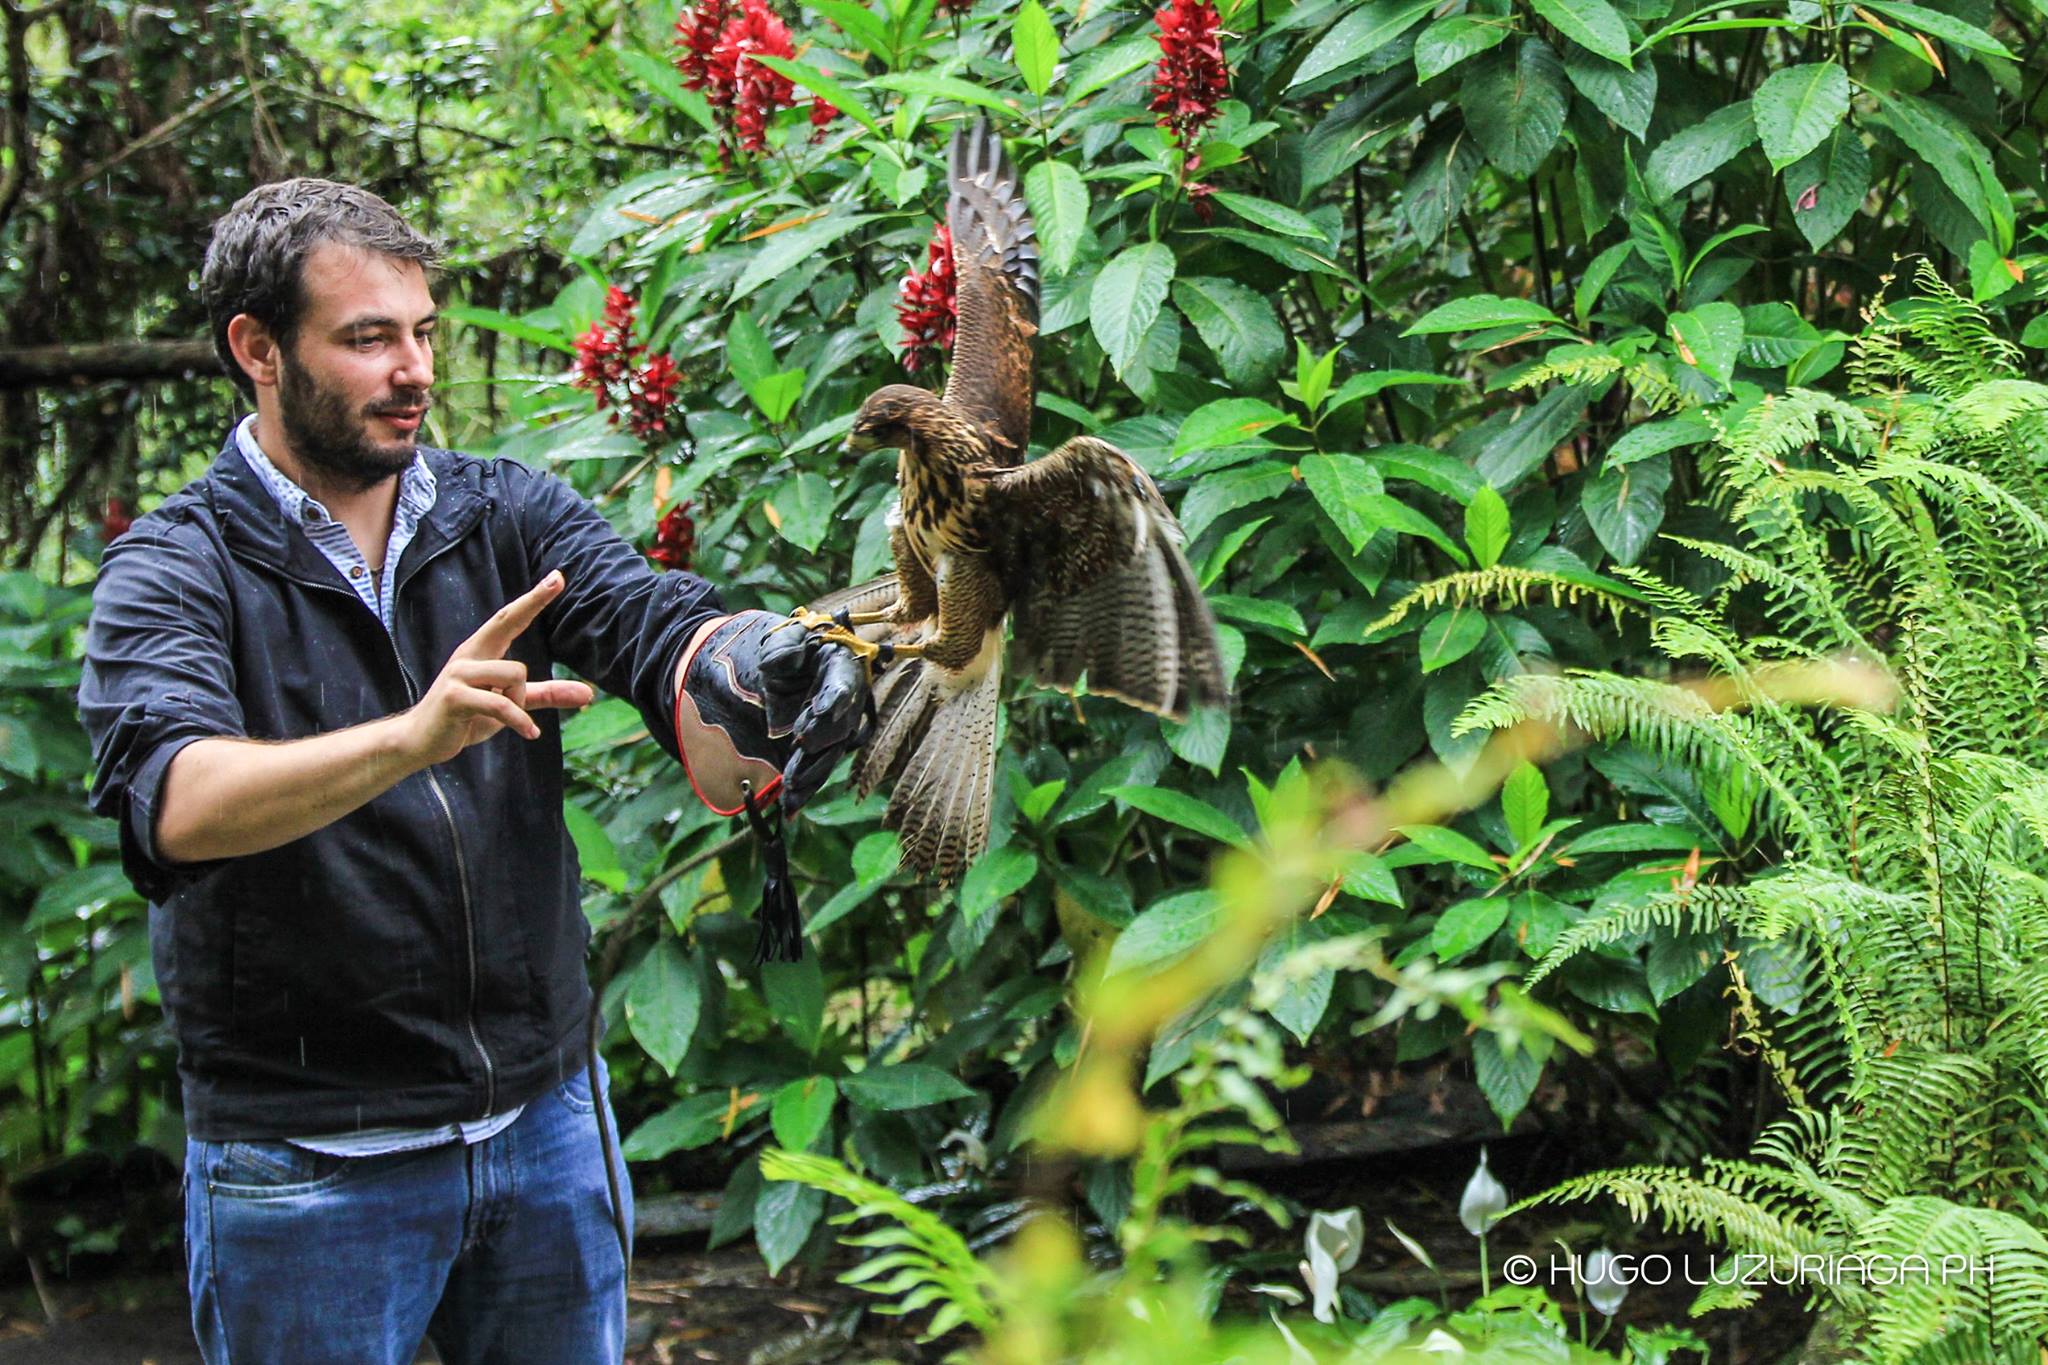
(1601, 1282)
(1485, 1199)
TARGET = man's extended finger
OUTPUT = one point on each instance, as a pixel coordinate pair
(496, 635)
(559, 693)
(498, 707)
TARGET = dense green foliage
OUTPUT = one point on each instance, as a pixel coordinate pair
(1496, 357)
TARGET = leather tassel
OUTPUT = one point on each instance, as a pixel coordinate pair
(781, 921)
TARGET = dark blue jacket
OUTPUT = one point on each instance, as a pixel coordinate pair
(420, 959)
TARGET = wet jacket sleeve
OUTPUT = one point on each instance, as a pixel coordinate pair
(158, 675)
(619, 621)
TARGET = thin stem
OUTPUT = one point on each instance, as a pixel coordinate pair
(1542, 252)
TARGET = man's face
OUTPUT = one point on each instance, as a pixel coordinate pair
(353, 384)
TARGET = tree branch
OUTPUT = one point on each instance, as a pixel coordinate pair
(28, 367)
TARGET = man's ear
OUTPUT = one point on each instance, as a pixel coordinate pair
(254, 349)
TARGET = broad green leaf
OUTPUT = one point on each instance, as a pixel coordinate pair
(1521, 446)
(943, 87)
(1487, 526)
(491, 320)
(1466, 925)
(1036, 46)
(1189, 812)
(1267, 214)
(1797, 107)
(1447, 42)
(1339, 484)
(1360, 33)
(595, 853)
(1367, 876)
(1625, 505)
(801, 510)
(1226, 491)
(1237, 323)
(1098, 67)
(747, 352)
(1592, 24)
(1709, 338)
(1951, 151)
(801, 1110)
(1390, 512)
(1227, 422)
(1367, 385)
(1444, 845)
(1699, 149)
(1126, 298)
(1289, 253)
(1775, 334)
(1202, 739)
(1165, 929)
(876, 857)
(1515, 105)
(663, 1002)
(818, 83)
(1477, 311)
(1535, 921)
(1450, 635)
(601, 726)
(1593, 283)
(776, 256)
(1825, 187)
(660, 78)
(995, 876)
(784, 1214)
(1507, 1079)
(1278, 617)
(1944, 26)
(905, 1085)
(1059, 211)
(1525, 802)
(1654, 438)
(795, 992)
(1439, 179)
(1627, 96)
(696, 1121)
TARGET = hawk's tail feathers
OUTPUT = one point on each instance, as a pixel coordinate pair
(934, 746)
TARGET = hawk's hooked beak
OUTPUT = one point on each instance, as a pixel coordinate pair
(859, 443)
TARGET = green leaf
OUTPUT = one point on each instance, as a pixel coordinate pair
(1227, 422)
(1592, 24)
(663, 1003)
(795, 992)
(1507, 1079)
(595, 854)
(905, 1085)
(1447, 42)
(784, 1214)
(1825, 187)
(943, 87)
(1699, 149)
(1288, 253)
(1797, 107)
(747, 352)
(802, 510)
(1951, 151)
(1165, 930)
(876, 857)
(1654, 438)
(1442, 845)
(1188, 812)
(1367, 385)
(698, 1120)
(1340, 484)
(1525, 802)
(997, 874)
(491, 320)
(1450, 635)
(1438, 181)
(1059, 210)
(1594, 282)
(1202, 739)
(776, 256)
(1367, 876)
(1710, 338)
(1390, 512)
(1099, 66)
(1944, 26)
(818, 83)
(1515, 106)
(1527, 440)
(1487, 526)
(1126, 298)
(1627, 96)
(1237, 323)
(1465, 926)
(1229, 489)
(1477, 311)
(2036, 334)
(1267, 214)
(1625, 505)
(1037, 47)
(801, 1110)
(1359, 34)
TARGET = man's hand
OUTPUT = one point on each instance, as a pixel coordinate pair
(480, 692)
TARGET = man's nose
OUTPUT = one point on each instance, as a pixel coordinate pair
(415, 359)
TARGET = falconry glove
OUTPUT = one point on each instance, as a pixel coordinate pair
(765, 707)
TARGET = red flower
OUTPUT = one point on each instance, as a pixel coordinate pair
(650, 395)
(1191, 77)
(929, 310)
(606, 355)
(115, 523)
(1199, 192)
(675, 539)
(753, 91)
(823, 111)
(697, 33)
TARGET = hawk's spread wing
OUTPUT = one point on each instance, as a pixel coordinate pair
(995, 264)
(1098, 583)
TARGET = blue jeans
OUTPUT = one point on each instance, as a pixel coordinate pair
(501, 1250)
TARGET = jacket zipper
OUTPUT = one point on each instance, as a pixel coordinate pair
(448, 813)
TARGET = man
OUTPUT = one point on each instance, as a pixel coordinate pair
(318, 685)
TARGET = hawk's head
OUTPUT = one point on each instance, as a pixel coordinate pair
(888, 418)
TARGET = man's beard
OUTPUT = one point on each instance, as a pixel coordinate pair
(335, 440)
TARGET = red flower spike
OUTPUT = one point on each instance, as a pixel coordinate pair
(697, 33)
(823, 111)
(1191, 78)
(606, 355)
(929, 310)
(751, 90)
(675, 539)
(649, 397)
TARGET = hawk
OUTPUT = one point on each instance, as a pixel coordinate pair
(1076, 551)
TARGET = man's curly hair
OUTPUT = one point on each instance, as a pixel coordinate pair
(255, 263)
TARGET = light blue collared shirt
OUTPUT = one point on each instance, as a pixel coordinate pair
(416, 492)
